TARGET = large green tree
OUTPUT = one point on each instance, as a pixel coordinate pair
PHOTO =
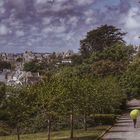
(98, 39)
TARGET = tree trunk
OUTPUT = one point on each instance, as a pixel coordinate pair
(18, 133)
(49, 129)
(71, 124)
(85, 122)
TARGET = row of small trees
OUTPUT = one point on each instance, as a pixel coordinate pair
(64, 94)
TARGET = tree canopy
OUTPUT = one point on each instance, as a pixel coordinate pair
(99, 39)
(4, 65)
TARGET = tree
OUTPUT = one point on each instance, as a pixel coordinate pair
(76, 59)
(111, 61)
(3, 114)
(19, 59)
(109, 95)
(20, 105)
(49, 101)
(2, 92)
(4, 65)
(84, 90)
(70, 96)
(87, 98)
(130, 81)
(99, 39)
(33, 66)
(118, 52)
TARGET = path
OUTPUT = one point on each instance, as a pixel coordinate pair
(123, 129)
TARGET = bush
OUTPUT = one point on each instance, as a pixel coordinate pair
(4, 132)
(4, 129)
(105, 119)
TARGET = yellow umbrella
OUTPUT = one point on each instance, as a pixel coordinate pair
(134, 113)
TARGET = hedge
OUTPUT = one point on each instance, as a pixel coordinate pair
(105, 119)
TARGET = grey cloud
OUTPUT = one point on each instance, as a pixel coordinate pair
(50, 25)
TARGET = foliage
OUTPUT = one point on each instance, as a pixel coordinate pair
(92, 133)
(4, 65)
(32, 66)
(68, 95)
(49, 101)
(77, 59)
(3, 113)
(109, 95)
(69, 80)
(71, 96)
(19, 59)
(118, 52)
(100, 38)
(20, 104)
(111, 61)
(131, 79)
(48, 97)
(104, 119)
(2, 92)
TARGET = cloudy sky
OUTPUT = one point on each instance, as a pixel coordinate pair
(58, 25)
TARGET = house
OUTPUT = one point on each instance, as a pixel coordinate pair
(4, 56)
(13, 82)
(28, 57)
(10, 57)
(38, 56)
(66, 61)
(68, 54)
(45, 55)
(33, 78)
(21, 77)
(3, 77)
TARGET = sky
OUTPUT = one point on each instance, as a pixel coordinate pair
(59, 25)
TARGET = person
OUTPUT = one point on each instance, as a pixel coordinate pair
(134, 114)
(135, 122)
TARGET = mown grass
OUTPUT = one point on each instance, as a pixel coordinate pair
(90, 134)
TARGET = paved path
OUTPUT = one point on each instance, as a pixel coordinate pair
(123, 129)
(133, 104)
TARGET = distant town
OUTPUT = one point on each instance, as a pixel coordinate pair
(15, 74)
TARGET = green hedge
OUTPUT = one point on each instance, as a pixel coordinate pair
(105, 119)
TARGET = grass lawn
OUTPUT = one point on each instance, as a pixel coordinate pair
(91, 134)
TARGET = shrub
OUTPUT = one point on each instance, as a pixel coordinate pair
(4, 129)
(105, 119)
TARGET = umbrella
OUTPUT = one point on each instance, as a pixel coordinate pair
(134, 113)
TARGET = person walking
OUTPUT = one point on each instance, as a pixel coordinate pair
(134, 114)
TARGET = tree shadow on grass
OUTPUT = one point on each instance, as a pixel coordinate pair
(82, 138)
(101, 129)
(113, 139)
